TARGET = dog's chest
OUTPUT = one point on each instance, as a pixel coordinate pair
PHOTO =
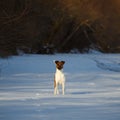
(59, 77)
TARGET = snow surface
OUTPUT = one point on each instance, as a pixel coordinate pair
(92, 87)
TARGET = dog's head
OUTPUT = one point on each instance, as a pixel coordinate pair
(59, 64)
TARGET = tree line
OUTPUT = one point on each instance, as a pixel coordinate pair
(46, 27)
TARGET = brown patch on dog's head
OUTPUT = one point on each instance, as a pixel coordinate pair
(59, 64)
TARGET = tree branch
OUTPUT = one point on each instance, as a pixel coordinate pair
(22, 14)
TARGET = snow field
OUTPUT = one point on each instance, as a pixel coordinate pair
(92, 93)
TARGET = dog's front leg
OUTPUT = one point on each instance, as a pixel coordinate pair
(56, 87)
(56, 91)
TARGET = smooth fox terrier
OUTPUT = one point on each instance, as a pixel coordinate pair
(59, 78)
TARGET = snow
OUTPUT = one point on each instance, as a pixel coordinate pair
(92, 87)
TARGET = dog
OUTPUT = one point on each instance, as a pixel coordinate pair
(59, 78)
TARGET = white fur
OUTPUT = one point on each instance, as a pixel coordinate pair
(60, 80)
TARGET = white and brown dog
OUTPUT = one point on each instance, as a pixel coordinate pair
(59, 78)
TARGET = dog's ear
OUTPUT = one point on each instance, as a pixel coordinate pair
(63, 62)
(56, 61)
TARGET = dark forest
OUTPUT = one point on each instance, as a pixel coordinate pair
(59, 26)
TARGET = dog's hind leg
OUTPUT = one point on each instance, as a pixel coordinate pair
(55, 91)
(55, 87)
